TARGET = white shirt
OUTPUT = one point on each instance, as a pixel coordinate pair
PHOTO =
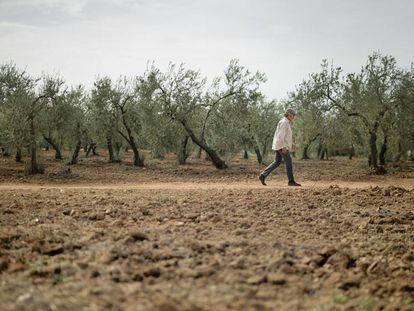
(283, 135)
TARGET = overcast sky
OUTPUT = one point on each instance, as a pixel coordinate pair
(286, 39)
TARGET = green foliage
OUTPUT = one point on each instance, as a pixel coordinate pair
(15, 95)
(344, 108)
(23, 103)
(155, 111)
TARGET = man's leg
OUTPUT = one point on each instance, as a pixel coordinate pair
(272, 166)
(289, 169)
(288, 163)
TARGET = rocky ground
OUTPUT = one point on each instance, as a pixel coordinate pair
(193, 238)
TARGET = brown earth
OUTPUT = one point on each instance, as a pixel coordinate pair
(111, 236)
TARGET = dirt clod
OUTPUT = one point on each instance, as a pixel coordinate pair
(276, 278)
(256, 280)
(137, 236)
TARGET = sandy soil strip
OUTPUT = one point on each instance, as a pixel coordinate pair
(405, 183)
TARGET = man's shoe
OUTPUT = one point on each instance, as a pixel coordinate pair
(262, 179)
(294, 184)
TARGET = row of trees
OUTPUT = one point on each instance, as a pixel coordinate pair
(371, 111)
(172, 111)
(178, 111)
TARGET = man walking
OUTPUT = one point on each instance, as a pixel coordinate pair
(282, 143)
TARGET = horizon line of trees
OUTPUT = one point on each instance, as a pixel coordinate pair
(368, 113)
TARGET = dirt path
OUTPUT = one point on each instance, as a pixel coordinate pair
(405, 183)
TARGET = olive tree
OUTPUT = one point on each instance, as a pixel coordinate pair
(369, 95)
(125, 104)
(56, 120)
(14, 131)
(104, 117)
(76, 123)
(180, 94)
(183, 98)
(24, 100)
(403, 117)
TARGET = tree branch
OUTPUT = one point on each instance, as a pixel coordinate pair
(124, 136)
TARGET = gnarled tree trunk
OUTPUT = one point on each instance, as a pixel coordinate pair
(319, 151)
(112, 158)
(129, 137)
(373, 155)
(88, 149)
(198, 154)
(324, 154)
(305, 153)
(383, 151)
(34, 167)
(264, 149)
(258, 154)
(306, 147)
(183, 153)
(18, 156)
(91, 147)
(55, 146)
(351, 152)
(78, 146)
(138, 161)
(75, 153)
(217, 161)
(118, 147)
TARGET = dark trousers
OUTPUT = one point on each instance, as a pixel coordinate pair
(278, 158)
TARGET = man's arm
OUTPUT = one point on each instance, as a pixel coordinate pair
(282, 136)
(282, 132)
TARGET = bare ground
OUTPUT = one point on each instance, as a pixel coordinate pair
(110, 236)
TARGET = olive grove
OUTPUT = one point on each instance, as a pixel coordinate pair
(367, 113)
